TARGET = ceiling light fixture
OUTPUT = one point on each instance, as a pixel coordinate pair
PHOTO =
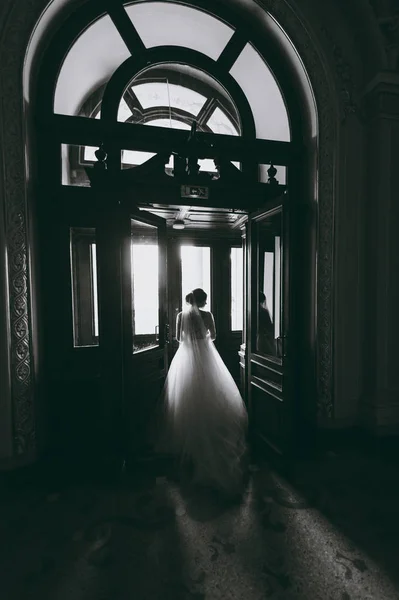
(178, 224)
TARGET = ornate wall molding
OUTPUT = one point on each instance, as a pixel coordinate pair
(14, 40)
(325, 93)
(344, 77)
(16, 34)
(390, 30)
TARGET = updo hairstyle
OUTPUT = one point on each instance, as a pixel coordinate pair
(197, 298)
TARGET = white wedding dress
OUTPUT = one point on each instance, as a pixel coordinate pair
(204, 415)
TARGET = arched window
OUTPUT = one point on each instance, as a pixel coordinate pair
(165, 65)
(170, 96)
(185, 64)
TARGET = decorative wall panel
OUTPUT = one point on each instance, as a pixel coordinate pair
(326, 100)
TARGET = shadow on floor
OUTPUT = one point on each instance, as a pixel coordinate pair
(323, 528)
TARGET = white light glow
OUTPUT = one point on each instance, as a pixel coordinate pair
(160, 93)
(268, 278)
(124, 112)
(196, 271)
(281, 174)
(263, 94)
(135, 157)
(170, 24)
(89, 153)
(220, 123)
(145, 288)
(277, 285)
(237, 289)
(93, 254)
(169, 123)
(90, 62)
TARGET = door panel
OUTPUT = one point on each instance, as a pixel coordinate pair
(71, 352)
(134, 333)
(146, 330)
(270, 374)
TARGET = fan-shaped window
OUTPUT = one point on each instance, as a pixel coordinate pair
(161, 103)
(159, 93)
(263, 94)
(219, 95)
(89, 64)
(170, 24)
(219, 122)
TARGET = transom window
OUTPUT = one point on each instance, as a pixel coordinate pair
(213, 68)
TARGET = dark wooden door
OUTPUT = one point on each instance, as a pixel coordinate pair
(270, 358)
(134, 331)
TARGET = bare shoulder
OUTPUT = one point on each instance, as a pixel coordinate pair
(206, 314)
(208, 318)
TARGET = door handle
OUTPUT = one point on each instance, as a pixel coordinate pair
(157, 333)
(167, 333)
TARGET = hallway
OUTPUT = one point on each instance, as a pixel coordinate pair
(330, 534)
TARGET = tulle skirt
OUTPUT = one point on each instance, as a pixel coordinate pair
(204, 416)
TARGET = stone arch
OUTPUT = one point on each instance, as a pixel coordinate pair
(22, 315)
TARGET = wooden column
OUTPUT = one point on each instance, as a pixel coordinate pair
(380, 402)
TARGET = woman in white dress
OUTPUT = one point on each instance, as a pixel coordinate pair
(205, 415)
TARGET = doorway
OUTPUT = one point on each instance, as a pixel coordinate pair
(144, 266)
(116, 341)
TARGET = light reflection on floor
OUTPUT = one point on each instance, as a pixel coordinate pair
(166, 540)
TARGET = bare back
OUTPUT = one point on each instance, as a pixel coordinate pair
(208, 320)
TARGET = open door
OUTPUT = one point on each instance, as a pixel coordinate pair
(134, 332)
(269, 361)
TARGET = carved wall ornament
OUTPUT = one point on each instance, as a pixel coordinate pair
(344, 77)
(311, 54)
(22, 18)
(390, 30)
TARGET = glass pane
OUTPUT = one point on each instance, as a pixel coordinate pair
(124, 112)
(74, 159)
(90, 62)
(169, 123)
(84, 286)
(268, 339)
(191, 86)
(163, 93)
(170, 24)
(196, 271)
(207, 165)
(263, 94)
(237, 289)
(281, 174)
(220, 123)
(145, 285)
(134, 158)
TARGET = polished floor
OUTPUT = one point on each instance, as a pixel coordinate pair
(325, 529)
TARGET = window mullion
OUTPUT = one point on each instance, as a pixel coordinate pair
(206, 112)
(232, 51)
(126, 29)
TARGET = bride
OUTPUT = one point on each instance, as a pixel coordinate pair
(205, 416)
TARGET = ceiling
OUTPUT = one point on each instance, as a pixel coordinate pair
(198, 218)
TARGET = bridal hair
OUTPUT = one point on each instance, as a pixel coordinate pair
(197, 297)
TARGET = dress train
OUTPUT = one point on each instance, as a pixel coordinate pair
(205, 418)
